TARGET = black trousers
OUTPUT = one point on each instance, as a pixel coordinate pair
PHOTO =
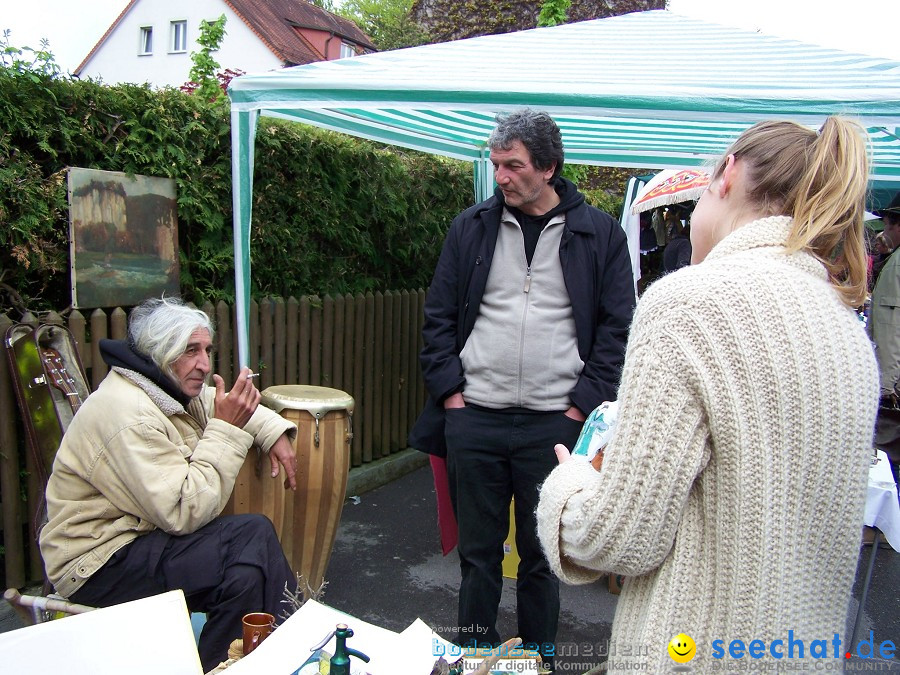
(232, 566)
(491, 457)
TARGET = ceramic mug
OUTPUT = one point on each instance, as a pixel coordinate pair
(257, 627)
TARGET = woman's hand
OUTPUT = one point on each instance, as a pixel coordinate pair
(562, 453)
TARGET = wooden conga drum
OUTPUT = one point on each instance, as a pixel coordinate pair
(324, 419)
(255, 491)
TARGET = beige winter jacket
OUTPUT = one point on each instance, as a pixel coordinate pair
(133, 460)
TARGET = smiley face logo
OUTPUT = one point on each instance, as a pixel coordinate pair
(682, 648)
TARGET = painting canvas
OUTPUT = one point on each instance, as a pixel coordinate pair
(123, 234)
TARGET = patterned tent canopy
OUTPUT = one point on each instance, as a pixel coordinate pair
(649, 89)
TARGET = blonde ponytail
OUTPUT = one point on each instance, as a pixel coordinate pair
(829, 207)
(819, 179)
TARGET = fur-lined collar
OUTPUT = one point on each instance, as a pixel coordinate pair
(168, 405)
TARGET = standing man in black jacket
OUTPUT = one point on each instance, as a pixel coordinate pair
(525, 326)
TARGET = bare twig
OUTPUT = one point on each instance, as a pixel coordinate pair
(297, 598)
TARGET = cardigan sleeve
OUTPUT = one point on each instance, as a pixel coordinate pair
(624, 518)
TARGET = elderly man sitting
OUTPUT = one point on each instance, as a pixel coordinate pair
(146, 467)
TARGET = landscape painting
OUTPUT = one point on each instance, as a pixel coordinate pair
(123, 234)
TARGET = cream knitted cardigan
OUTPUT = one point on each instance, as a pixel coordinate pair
(732, 495)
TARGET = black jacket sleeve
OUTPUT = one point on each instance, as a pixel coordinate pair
(441, 367)
(613, 307)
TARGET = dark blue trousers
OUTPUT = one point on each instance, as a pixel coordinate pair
(493, 456)
(228, 568)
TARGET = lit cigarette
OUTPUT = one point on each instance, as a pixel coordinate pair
(252, 375)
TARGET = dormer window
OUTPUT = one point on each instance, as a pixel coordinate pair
(145, 47)
(179, 36)
(347, 50)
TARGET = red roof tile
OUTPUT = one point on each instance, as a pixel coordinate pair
(275, 22)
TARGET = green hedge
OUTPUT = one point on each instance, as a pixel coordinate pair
(331, 213)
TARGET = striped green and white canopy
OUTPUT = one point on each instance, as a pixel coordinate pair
(649, 89)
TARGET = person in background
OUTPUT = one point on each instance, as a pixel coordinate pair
(146, 467)
(525, 326)
(732, 493)
(881, 251)
(884, 329)
(677, 253)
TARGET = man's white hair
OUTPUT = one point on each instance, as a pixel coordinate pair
(161, 328)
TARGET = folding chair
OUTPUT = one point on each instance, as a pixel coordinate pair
(34, 609)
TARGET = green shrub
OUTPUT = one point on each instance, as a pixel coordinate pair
(331, 213)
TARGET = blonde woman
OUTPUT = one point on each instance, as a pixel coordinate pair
(732, 495)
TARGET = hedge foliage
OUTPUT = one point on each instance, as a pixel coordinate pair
(331, 213)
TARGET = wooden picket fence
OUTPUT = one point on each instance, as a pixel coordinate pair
(365, 345)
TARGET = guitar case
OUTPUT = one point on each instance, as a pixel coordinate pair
(50, 385)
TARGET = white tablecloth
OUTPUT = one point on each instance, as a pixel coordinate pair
(882, 507)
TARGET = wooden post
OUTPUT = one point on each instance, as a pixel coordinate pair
(279, 349)
(405, 379)
(396, 360)
(266, 349)
(368, 378)
(253, 359)
(327, 341)
(292, 340)
(337, 336)
(225, 364)
(379, 430)
(118, 324)
(77, 324)
(359, 336)
(99, 369)
(315, 342)
(304, 355)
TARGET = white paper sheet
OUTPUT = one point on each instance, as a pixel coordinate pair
(151, 636)
(284, 651)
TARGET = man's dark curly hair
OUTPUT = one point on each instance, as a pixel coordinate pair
(536, 131)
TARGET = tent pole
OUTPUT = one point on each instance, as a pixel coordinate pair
(243, 136)
(631, 223)
(484, 177)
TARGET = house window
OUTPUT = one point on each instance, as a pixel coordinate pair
(179, 36)
(146, 44)
(347, 50)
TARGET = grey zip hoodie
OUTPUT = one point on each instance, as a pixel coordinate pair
(523, 350)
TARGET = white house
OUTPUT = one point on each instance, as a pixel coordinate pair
(152, 40)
